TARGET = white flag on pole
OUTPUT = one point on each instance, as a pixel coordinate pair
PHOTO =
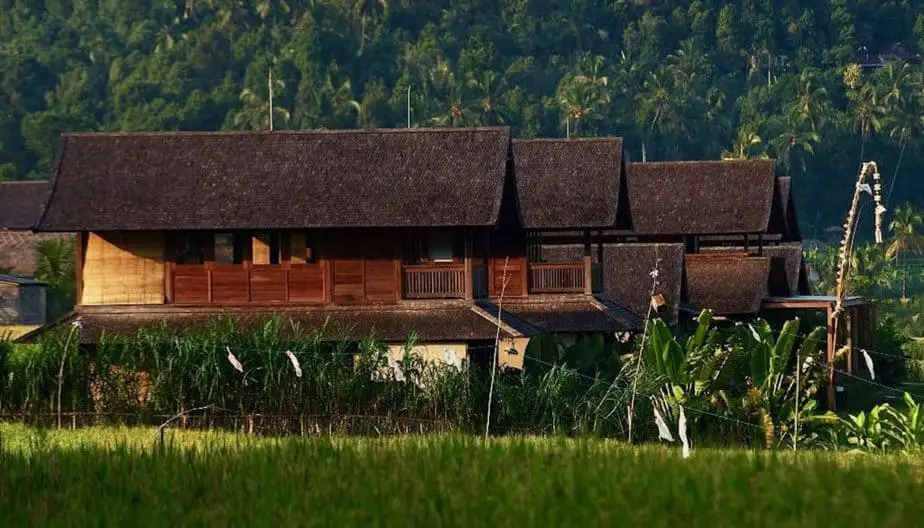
(682, 427)
(295, 364)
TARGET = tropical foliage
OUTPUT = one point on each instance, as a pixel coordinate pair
(818, 84)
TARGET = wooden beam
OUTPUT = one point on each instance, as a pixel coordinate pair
(467, 256)
(832, 348)
(588, 263)
(79, 255)
(169, 261)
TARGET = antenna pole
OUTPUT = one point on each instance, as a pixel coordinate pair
(409, 106)
(270, 82)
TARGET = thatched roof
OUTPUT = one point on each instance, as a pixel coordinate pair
(785, 265)
(727, 283)
(627, 276)
(700, 197)
(571, 313)
(438, 321)
(278, 180)
(573, 183)
(22, 203)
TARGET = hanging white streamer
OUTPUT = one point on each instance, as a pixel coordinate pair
(452, 359)
(869, 363)
(396, 369)
(234, 361)
(295, 364)
(663, 432)
(682, 428)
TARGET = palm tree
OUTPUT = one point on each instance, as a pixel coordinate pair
(812, 103)
(579, 102)
(790, 138)
(488, 87)
(658, 109)
(747, 146)
(865, 112)
(894, 80)
(363, 10)
(255, 114)
(905, 225)
(907, 124)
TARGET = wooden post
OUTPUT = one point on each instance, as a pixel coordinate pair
(852, 320)
(588, 264)
(79, 253)
(832, 348)
(467, 256)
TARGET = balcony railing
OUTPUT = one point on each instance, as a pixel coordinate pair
(425, 281)
(556, 277)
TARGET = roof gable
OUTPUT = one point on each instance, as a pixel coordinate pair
(701, 197)
(728, 284)
(357, 178)
(568, 183)
(22, 203)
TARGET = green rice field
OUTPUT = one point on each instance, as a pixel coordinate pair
(113, 476)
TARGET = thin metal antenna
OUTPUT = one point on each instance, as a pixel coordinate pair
(409, 106)
(270, 82)
(568, 127)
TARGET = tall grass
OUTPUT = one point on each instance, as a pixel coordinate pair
(116, 477)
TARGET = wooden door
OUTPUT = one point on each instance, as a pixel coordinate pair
(347, 270)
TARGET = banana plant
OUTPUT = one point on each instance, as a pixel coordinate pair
(771, 394)
(690, 372)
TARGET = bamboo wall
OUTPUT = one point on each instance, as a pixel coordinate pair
(123, 268)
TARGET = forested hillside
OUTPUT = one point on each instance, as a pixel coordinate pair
(816, 83)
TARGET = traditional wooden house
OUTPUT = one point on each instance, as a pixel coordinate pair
(364, 232)
(21, 205)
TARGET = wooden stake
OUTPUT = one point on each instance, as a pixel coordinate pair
(500, 302)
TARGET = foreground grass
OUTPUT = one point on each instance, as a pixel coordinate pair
(106, 476)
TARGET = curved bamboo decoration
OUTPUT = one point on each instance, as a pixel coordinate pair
(868, 169)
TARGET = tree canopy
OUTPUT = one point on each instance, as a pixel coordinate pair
(817, 84)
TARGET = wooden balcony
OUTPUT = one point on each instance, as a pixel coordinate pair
(434, 281)
(259, 284)
(557, 277)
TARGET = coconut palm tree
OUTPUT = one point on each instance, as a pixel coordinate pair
(364, 10)
(905, 225)
(658, 110)
(790, 138)
(907, 124)
(748, 145)
(865, 112)
(812, 104)
(255, 111)
(579, 103)
(487, 89)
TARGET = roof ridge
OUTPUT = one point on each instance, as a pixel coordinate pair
(603, 139)
(24, 182)
(316, 131)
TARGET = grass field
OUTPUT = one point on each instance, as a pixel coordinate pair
(109, 476)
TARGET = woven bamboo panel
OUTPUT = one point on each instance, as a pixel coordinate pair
(124, 268)
(261, 249)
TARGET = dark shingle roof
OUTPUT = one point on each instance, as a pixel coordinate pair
(430, 322)
(728, 284)
(700, 197)
(21, 203)
(627, 276)
(570, 313)
(357, 178)
(568, 183)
